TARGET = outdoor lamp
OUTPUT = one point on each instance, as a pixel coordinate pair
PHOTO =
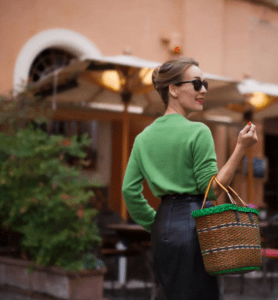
(145, 75)
(260, 100)
(112, 80)
(256, 102)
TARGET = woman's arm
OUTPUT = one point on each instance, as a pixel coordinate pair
(226, 174)
(247, 138)
(138, 207)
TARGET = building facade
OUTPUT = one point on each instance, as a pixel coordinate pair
(232, 38)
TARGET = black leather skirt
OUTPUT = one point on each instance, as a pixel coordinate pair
(177, 257)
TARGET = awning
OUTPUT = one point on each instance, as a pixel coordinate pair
(81, 82)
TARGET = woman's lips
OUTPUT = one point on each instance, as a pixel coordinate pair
(200, 101)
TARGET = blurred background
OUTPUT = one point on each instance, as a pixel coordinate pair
(91, 62)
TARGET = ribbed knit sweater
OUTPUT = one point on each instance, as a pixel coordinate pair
(174, 155)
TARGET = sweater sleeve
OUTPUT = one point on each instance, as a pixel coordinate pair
(138, 207)
(204, 159)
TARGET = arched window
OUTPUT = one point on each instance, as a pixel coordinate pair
(70, 41)
(47, 62)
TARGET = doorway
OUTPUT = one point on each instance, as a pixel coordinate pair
(271, 186)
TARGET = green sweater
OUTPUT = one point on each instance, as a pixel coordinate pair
(174, 155)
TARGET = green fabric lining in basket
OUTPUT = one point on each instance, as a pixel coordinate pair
(220, 209)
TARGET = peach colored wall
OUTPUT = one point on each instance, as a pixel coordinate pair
(228, 39)
(203, 33)
(110, 25)
(236, 44)
(217, 32)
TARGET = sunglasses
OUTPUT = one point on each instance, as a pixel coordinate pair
(197, 84)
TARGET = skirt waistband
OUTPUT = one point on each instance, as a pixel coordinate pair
(187, 197)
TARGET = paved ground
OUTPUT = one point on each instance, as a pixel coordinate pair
(136, 294)
(138, 289)
(253, 288)
(253, 291)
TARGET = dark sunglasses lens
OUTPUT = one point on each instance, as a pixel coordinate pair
(198, 85)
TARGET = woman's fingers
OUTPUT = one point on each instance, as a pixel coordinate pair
(251, 129)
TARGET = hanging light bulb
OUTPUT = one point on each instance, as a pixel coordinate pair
(111, 80)
(146, 75)
(260, 100)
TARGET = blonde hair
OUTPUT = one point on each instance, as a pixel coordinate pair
(171, 72)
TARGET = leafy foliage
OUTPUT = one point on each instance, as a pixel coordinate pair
(45, 200)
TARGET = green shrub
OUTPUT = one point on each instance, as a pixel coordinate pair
(45, 200)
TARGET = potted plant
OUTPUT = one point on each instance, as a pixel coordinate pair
(44, 207)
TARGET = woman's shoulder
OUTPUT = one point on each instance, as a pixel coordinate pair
(199, 126)
(201, 133)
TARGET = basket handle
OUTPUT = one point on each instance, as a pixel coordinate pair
(230, 197)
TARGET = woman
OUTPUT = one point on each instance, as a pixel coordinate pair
(177, 158)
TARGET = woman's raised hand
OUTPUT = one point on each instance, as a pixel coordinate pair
(247, 136)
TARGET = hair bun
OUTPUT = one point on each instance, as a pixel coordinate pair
(155, 76)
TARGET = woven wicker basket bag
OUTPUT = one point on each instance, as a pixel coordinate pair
(229, 236)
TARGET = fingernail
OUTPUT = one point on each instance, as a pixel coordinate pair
(249, 123)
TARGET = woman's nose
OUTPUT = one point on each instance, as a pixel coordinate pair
(203, 89)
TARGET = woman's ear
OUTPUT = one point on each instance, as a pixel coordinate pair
(173, 90)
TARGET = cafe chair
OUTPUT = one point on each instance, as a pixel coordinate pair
(269, 251)
(115, 247)
(109, 251)
(108, 248)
